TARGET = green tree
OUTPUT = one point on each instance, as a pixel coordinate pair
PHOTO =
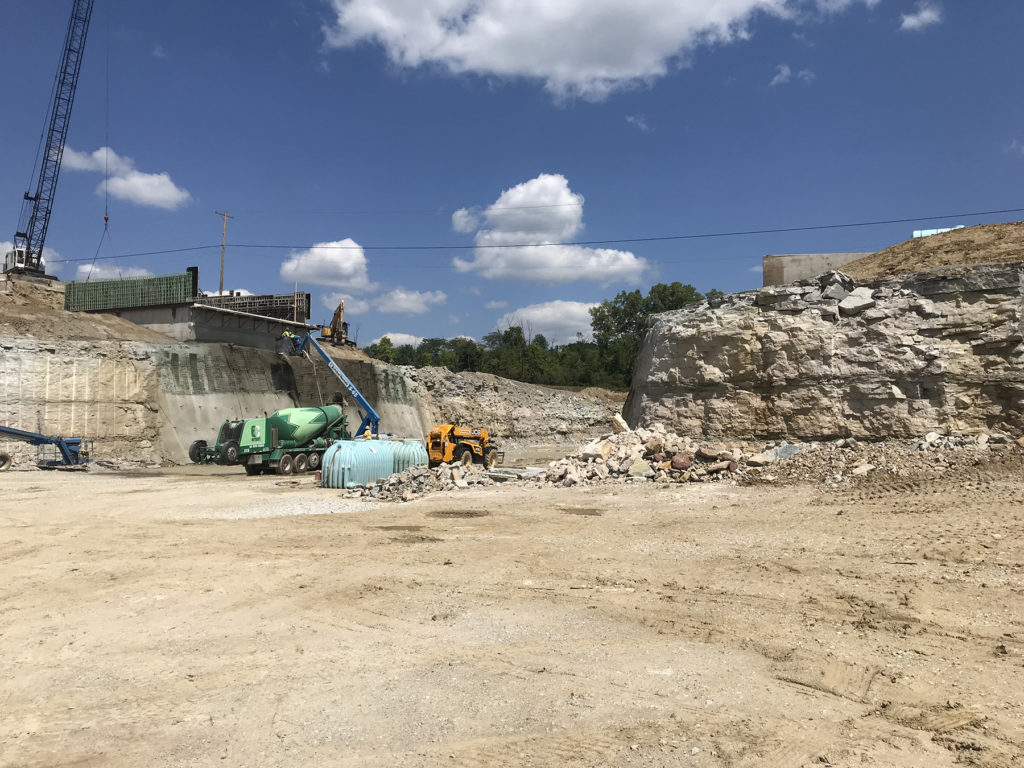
(619, 324)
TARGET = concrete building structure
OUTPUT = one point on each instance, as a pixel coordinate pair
(780, 269)
(201, 322)
(174, 306)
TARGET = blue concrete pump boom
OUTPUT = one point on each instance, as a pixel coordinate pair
(372, 418)
(71, 451)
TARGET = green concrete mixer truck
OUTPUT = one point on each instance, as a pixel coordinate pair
(288, 441)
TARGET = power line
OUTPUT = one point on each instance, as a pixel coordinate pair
(620, 241)
(385, 211)
(616, 241)
(139, 254)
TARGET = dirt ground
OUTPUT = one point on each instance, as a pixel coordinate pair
(983, 244)
(169, 618)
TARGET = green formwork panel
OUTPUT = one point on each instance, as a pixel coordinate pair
(130, 292)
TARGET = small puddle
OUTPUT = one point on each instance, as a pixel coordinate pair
(399, 527)
(459, 513)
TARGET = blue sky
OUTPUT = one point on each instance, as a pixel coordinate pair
(360, 124)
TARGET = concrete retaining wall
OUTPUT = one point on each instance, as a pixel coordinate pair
(780, 269)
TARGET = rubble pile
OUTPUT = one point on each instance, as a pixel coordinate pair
(660, 456)
(417, 481)
(934, 456)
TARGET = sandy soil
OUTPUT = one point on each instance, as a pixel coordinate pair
(27, 309)
(985, 244)
(163, 618)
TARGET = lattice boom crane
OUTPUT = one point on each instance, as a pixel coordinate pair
(35, 213)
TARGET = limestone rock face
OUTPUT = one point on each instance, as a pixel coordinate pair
(940, 350)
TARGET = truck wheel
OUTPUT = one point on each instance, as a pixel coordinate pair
(229, 452)
(286, 466)
(301, 463)
(465, 458)
(490, 457)
(253, 469)
(314, 462)
(195, 451)
(5, 462)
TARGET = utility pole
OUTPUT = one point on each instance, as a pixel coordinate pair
(223, 243)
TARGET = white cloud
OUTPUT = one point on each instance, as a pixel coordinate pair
(785, 73)
(454, 319)
(559, 321)
(159, 52)
(495, 305)
(538, 211)
(401, 301)
(230, 292)
(339, 264)
(927, 13)
(586, 48)
(639, 122)
(102, 271)
(353, 305)
(124, 181)
(103, 159)
(757, 269)
(1015, 147)
(398, 339)
(465, 220)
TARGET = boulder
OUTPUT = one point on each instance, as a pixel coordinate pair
(599, 449)
(759, 460)
(640, 468)
(682, 461)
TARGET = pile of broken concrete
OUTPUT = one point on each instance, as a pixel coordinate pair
(417, 481)
(658, 455)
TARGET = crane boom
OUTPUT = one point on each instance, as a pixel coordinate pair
(35, 216)
(372, 418)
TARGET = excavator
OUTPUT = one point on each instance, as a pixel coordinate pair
(337, 332)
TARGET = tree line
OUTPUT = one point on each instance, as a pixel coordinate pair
(618, 326)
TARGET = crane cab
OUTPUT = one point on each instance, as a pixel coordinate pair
(17, 260)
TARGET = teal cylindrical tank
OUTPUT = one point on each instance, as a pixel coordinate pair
(349, 463)
(409, 453)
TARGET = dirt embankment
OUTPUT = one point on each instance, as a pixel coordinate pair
(985, 244)
(28, 309)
